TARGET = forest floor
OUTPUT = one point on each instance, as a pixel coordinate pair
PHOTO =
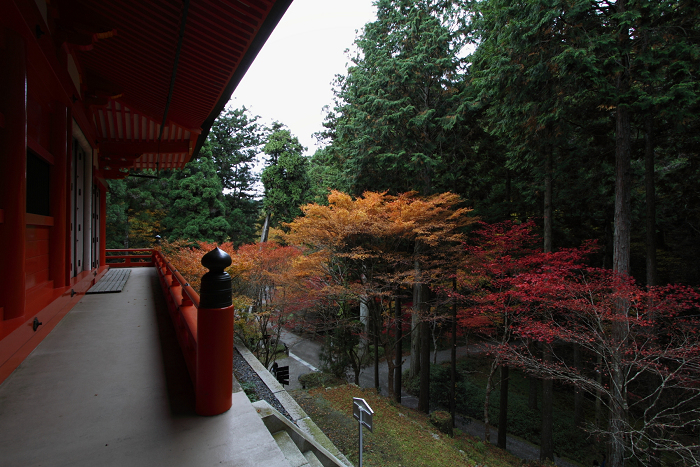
(304, 358)
(401, 437)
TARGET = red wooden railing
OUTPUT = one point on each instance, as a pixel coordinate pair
(183, 302)
(203, 352)
(129, 257)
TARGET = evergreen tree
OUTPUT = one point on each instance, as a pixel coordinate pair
(234, 142)
(136, 207)
(566, 80)
(395, 124)
(198, 211)
(325, 174)
(285, 177)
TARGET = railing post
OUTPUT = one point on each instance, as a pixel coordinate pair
(214, 383)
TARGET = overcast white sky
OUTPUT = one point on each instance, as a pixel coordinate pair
(290, 80)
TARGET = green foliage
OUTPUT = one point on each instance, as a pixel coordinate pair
(212, 199)
(547, 81)
(135, 210)
(325, 175)
(396, 122)
(320, 379)
(343, 350)
(234, 143)
(249, 389)
(442, 421)
(198, 211)
(285, 176)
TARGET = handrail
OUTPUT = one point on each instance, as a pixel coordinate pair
(189, 291)
(205, 335)
(129, 256)
(183, 303)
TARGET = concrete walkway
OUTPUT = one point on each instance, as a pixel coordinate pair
(109, 387)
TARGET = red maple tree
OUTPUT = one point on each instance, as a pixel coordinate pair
(558, 300)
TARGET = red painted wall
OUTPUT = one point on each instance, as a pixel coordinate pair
(40, 290)
(37, 255)
(36, 109)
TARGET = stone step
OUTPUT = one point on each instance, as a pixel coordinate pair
(289, 449)
(312, 459)
(303, 436)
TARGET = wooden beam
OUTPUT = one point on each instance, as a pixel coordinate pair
(135, 147)
(13, 180)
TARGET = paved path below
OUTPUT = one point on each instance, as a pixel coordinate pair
(304, 358)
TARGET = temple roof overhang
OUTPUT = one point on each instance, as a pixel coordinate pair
(153, 76)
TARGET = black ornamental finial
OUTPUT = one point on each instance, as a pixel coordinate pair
(215, 291)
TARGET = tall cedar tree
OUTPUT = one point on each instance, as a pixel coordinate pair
(234, 143)
(136, 208)
(285, 177)
(396, 124)
(198, 210)
(603, 58)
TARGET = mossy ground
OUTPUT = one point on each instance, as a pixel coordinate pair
(402, 437)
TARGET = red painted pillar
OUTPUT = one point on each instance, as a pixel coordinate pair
(13, 180)
(214, 381)
(59, 193)
(103, 224)
(68, 246)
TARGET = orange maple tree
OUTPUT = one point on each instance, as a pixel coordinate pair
(370, 248)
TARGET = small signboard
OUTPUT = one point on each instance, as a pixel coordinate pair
(362, 412)
(283, 375)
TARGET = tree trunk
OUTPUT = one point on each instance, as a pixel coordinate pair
(623, 195)
(547, 439)
(375, 339)
(623, 167)
(649, 179)
(391, 368)
(621, 250)
(618, 404)
(503, 410)
(534, 386)
(599, 393)
(424, 396)
(548, 202)
(453, 362)
(578, 392)
(547, 432)
(364, 317)
(433, 333)
(487, 400)
(650, 199)
(265, 229)
(416, 319)
(414, 367)
(399, 346)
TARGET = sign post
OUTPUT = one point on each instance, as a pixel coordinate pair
(363, 414)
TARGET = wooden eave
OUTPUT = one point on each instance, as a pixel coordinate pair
(125, 52)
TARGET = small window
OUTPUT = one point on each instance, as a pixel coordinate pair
(38, 185)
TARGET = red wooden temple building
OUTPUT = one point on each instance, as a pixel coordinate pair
(90, 90)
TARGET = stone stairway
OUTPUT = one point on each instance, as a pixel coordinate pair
(291, 451)
(299, 448)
